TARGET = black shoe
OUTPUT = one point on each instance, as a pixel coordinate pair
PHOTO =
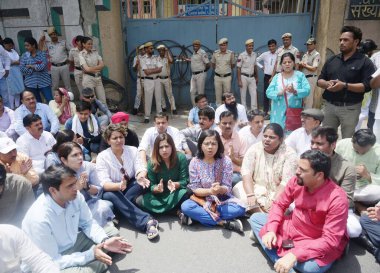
(163, 109)
(175, 112)
(234, 225)
(146, 120)
(365, 242)
(134, 111)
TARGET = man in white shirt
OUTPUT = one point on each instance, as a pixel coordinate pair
(7, 120)
(5, 64)
(35, 142)
(229, 103)
(53, 221)
(300, 139)
(269, 59)
(247, 74)
(253, 132)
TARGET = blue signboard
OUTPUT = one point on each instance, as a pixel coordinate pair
(200, 10)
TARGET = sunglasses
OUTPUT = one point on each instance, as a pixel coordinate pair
(89, 97)
(125, 174)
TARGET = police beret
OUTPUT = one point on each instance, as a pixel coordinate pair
(249, 41)
(286, 35)
(222, 41)
(314, 113)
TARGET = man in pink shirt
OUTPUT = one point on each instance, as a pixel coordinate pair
(314, 235)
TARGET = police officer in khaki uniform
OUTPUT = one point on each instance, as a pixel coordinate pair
(247, 74)
(140, 78)
(223, 61)
(166, 60)
(151, 67)
(309, 65)
(286, 47)
(74, 60)
(58, 53)
(92, 64)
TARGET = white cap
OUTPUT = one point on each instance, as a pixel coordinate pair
(71, 96)
(7, 145)
(249, 41)
(161, 46)
(222, 41)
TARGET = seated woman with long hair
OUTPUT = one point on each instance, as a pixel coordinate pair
(70, 154)
(168, 174)
(211, 180)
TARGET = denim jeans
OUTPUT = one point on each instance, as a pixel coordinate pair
(196, 212)
(124, 203)
(46, 91)
(257, 221)
(372, 230)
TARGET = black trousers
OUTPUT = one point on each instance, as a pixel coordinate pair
(266, 100)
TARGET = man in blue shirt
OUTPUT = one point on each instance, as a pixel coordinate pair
(31, 106)
(53, 221)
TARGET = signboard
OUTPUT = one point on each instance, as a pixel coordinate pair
(364, 10)
(202, 10)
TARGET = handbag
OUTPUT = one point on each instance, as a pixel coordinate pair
(293, 115)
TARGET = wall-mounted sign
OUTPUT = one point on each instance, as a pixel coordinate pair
(364, 10)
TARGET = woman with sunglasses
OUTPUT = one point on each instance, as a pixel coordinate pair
(168, 174)
(70, 154)
(119, 169)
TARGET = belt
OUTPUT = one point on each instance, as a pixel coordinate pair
(309, 76)
(141, 78)
(163, 77)
(59, 64)
(198, 72)
(247, 75)
(150, 78)
(341, 103)
(92, 74)
(78, 67)
(223, 76)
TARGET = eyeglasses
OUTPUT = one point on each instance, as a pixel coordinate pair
(89, 97)
(125, 174)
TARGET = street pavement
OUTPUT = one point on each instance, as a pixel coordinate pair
(189, 249)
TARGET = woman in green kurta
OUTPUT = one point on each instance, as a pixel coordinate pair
(168, 174)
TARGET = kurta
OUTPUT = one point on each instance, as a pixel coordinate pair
(166, 201)
(278, 104)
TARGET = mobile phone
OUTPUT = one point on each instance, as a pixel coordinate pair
(287, 244)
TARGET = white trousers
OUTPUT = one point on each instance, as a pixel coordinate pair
(249, 83)
(152, 88)
(197, 85)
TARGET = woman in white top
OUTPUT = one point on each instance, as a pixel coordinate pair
(117, 167)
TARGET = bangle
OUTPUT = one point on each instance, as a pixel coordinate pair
(251, 194)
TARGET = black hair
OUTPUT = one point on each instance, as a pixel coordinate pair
(325, 131)
(79, 38)
(31, 41)
(207, 112)
(288, 54)
(8, 41)
(210, 133)
(29, 119)
(272, 41)
(3, 174)
(53, 176)
(161, 115)
(66, 148)
(356, 32)
(83, 105)
(364, 137)
(199, 97)
(63, 136)
(227, 114)
(367, 46)
(85, 39)
(227, 95)
(253, 113)
(319, 161)
(276, 128)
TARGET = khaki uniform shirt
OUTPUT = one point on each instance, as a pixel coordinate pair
(90, 59)
(57, 51)
(74, 56)
(222, 61)
(281, 51)
(142, 74)
(199, 60)
(150, 63)
(164, 62)
(247, 62)
(313, 59)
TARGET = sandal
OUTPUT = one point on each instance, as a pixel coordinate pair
(152, 229)
(184, 219)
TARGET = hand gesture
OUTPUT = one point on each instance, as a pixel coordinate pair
(7, 168)
(101, 256)
(80, 140)
(215, 188)
(82, 181)
(231, 152)
(123, 184)
(65, 99)
(143, 182)
(335, 85)
(251, 201)
(286, 263)
(117, 245)
(362, 172)
(171, 186)
(26, 165)
(269, 239)
(374, 213)
(160, 187)
(290, 89)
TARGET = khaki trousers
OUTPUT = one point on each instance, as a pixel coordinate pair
(152, 87)
(96, 84)
(60, 72)
(138, 93)
(222, 85)
(165, 85)
(309, 100)
(78, 76)
(249, 83)
(197, 85)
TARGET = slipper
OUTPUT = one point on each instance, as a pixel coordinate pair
(184, 219)
(152, 229)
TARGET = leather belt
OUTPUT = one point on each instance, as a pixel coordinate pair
(59, 64)
(341, 103)
(223, 76)
(92, 74)
(141, 78)
(163, 77)
(309, 76)
(198, 72)
(247, 75)
(78, 67)
(150, 78)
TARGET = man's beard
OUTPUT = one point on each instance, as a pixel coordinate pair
(300, 181)
(233, 108)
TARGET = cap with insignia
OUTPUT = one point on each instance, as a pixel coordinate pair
(196, 42)
(311, 41)
(286, 35)
(223, 41)
(314, 113)
(161, 46)
(249, 41)
(148, 44)
(51, 30)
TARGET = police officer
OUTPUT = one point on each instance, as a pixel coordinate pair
(58, 53)
(286, 47)
(151, 67)
(247, 74)
(74, 60)
(140, 78)
(309, 65)
(223, 61)
(166, 60)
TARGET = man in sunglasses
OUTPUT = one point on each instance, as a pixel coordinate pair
(98, 108)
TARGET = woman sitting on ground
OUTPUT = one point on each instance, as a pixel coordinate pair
(168, 174)
(267, 167)
(117, 168)
(61, 105)
(210, 181)
(70, 154)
